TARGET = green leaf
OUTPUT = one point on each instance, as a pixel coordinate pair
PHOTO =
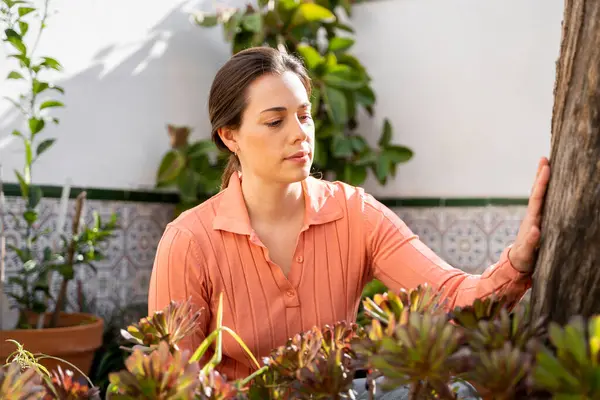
(51, 63)
(344, 77)
(262, 3)
(23, 184)
(354, 174)
(252, 22)
(336, 105)
(11, 33)
(201, 148)
(206, 21)
(39, 86)
(341, 146)
(367, 157)
(24, 27)
(340, 44)
(30, 264)
(17, 133)
(35, 195)
(36, 125)
(14, 75)
(23, 11)
(398, 154)
(311, 56)
(365, 96)
(43, 146)
(382, 168)
(171, 166)
(17, 44)
(187, 183)
(344, 27)
(310, 12)
(325, 130)
(51, 103)
(358, 143)
(386, 134)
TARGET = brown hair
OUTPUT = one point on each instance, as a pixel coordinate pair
(227, 100)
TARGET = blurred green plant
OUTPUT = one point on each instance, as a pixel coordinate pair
(193, 168)
(31, 287)
(314, 31)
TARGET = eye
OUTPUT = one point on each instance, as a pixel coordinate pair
(274, 124)
(306, 117)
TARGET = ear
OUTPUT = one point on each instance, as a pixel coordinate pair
(229, 138)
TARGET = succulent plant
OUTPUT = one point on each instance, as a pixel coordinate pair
(572, 368)
(20, 385)
(317, 364)
(481, 310)
(62, 386)
(514, 327)
(500, 373)
(419, 353)
(389, 310)
(157, 375)
(213, 386)
(173, 323)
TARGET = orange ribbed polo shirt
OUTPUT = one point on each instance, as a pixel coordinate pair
(348, 238)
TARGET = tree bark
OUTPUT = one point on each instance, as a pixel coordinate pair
(567, 276)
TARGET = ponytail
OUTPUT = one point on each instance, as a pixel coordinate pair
(233, 166)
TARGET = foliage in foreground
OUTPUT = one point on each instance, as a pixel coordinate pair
(410, 340)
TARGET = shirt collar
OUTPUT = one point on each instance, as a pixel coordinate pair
(232, 215)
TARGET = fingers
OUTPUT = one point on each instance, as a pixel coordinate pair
(539, 188)
(533, 237)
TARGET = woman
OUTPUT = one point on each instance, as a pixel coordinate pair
(289, 251)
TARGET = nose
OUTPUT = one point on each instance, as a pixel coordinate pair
(301, 131)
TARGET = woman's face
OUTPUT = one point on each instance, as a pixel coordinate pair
(275, 141)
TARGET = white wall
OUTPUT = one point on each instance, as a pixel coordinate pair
(466, 83)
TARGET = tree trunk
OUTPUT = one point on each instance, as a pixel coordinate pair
(567, 277)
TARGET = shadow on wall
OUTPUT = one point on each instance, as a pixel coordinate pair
(113, 130)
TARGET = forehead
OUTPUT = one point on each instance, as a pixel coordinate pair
(276, 90)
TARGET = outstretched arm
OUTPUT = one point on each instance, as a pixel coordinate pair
(400, 260)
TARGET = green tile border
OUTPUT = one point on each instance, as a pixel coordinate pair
(12, 189)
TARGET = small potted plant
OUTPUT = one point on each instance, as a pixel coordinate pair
(40, 327)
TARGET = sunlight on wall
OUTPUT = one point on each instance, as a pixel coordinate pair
(467, 84)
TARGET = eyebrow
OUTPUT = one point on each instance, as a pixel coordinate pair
(303, 105)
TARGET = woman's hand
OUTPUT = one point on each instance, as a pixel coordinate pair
(522, 253)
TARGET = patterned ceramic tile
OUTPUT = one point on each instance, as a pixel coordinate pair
(470, 238)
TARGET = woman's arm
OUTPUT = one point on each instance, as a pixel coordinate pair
(177, 275)
(400, 260)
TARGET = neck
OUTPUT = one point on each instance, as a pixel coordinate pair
(269, 202)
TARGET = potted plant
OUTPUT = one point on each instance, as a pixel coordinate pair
(41, 328)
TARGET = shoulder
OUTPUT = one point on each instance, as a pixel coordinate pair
(353, 197)
(196, 222)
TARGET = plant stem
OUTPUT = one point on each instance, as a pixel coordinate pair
(60, 301)
(42, 26)
(254, 375)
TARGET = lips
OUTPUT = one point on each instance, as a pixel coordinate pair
(298, 155)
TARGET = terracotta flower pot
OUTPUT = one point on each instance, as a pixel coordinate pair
(75, 340)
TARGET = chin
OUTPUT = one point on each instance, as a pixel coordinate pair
(298, 175)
